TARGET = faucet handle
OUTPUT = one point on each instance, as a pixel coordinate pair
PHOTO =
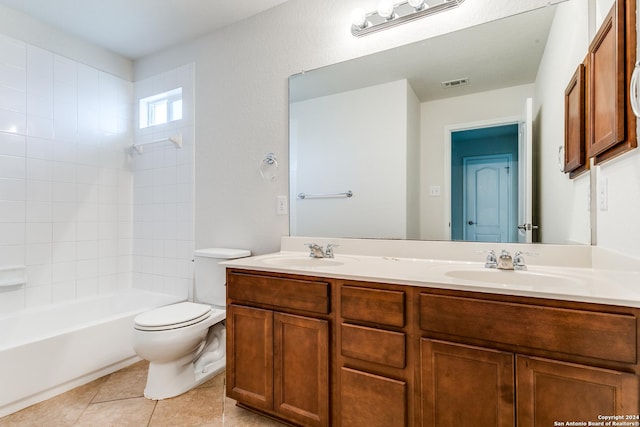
(491, 261)
(518, 259)
(328, 253)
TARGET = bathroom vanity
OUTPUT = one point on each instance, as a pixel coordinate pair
(319, 344)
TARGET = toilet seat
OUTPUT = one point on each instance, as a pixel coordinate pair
(172, 316)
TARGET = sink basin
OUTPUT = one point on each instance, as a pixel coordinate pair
(531, 280)
(302, 261)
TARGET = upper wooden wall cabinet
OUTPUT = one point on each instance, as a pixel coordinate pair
(609, 123)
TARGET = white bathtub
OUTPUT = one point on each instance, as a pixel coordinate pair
(44, 352)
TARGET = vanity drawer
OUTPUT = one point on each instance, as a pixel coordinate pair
(380, 306)
(605, 336)
(298, 294)
(373, 345)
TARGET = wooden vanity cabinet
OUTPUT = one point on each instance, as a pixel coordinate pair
(505, 361)
(278, 335)
(314, 351)
(375, 360)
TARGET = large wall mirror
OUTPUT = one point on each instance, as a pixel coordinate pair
(455, 137)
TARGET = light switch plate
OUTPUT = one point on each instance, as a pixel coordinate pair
(282, 205)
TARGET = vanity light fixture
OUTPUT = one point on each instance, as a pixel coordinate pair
(390, 14)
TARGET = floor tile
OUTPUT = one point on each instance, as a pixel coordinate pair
(59, 411)
(125, 383)
(198, 407)
(134, 412)
(116, 400)
(235, 416)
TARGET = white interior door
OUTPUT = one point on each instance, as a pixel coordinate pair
(487, 198)
(525, 171)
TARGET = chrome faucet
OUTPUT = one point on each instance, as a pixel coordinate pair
(505, 261)
(316, 251)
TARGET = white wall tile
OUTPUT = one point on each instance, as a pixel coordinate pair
(39, 275)
(12, 233)
(38, 296)
(64, 172)
(87, 249)
(39, 232)
(87, 287)
(63, 272)
(12, 211)
(12, 167)
(39, 71)
(39, 105)
(14, 52)
(39, 253)
(13, 99)
(64, 252)
(65, 232)
(39, 148)
(12, 254)
(12, 189)
(65, 151)
(13, 121)
(39, 169)
(12, 144)
(64, 192)
(69, 221)
(63, 291)
(65, 212)
(39, 211)
(39, 191)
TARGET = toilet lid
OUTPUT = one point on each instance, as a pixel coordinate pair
(172, 316)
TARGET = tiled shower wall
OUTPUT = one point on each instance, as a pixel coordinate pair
(66, 181)
(163, 192)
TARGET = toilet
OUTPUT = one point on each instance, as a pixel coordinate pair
(185, 342)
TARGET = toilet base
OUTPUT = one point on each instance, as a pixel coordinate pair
(165, 380)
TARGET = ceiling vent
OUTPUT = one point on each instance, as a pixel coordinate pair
(456, 83)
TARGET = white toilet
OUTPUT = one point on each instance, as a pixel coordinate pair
(185, 342)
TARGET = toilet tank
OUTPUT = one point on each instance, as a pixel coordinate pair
(209, 275)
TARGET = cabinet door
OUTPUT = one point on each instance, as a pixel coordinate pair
(250, 356)
(369, 400)
(607, 83)
(301, 371)
(550, 391)
(466, 386)
(574, 122)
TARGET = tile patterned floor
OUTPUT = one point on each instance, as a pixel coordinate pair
(117, 400)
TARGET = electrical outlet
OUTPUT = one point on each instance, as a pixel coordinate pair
(282, 205)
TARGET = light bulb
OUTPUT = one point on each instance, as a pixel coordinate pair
(385, 9)
(359, 18)
(417, 4)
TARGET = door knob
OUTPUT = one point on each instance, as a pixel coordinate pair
(470, 222)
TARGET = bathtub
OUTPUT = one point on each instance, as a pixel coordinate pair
(47, 351)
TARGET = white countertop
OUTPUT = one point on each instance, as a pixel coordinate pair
(585, 284)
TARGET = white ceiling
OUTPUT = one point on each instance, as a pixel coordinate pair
(137, 28)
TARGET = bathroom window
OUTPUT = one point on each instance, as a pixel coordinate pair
(161, 108)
